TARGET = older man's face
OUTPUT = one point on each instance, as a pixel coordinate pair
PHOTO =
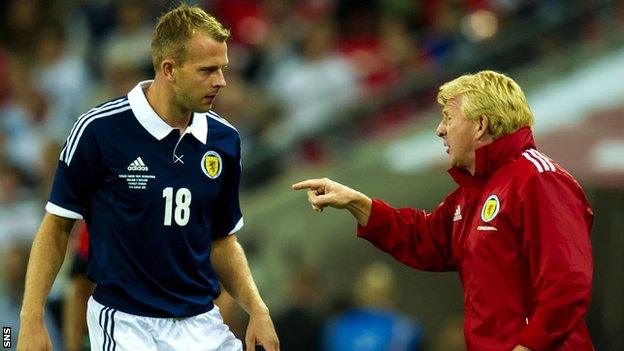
(459, 135)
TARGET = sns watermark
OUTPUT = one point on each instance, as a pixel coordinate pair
(6, 337)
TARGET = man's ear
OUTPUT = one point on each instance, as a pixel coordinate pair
(483, 130)
(167, 68)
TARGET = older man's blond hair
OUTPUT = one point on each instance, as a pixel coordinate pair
(492, 94)
(176, 27)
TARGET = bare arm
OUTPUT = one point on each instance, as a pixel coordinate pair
(228, 308)
(230, 264)
(75, 311)
(46, 256)
(325, 192)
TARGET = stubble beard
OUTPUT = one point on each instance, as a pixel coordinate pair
(186, 103)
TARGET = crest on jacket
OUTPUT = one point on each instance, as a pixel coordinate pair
(490, 208)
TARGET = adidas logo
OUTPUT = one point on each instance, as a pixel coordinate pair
(457, 215)
(138, 165)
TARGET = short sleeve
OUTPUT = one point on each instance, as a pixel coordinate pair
(228, 217)
(76, 174)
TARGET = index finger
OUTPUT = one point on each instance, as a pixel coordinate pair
(308, 184)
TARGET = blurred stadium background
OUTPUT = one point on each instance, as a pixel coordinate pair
(336, 88)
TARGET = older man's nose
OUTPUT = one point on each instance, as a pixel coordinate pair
(440, 130)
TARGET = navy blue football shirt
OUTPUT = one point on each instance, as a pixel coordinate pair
(153, 201)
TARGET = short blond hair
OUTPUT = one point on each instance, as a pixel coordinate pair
(177, 26)
(492, 94)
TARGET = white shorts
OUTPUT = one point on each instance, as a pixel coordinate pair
(112, 330)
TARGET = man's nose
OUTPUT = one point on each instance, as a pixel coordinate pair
(220, 80)
(440, 130)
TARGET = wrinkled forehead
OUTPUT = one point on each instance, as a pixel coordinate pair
(452, 105)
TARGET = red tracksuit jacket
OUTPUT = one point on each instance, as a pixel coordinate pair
(518, 234)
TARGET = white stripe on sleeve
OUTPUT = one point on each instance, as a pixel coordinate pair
(238, 226)
(61, 212)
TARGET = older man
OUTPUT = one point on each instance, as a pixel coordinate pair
(516, 229)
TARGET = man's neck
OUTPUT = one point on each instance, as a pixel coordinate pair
(160, 98)
(485, 140)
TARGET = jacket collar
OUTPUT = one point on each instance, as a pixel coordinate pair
(155, 125)
(491, 157)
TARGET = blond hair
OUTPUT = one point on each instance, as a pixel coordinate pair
(177, 26)
(492, 94)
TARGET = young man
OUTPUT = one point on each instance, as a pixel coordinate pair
(155, 175)
(516, 229)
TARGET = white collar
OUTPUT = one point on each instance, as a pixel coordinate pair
(157, 127)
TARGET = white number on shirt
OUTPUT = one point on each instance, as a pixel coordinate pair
(182, 206)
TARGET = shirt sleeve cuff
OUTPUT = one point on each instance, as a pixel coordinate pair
(237, 227)
(380, 212)
(535, 338)
(62, 212)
